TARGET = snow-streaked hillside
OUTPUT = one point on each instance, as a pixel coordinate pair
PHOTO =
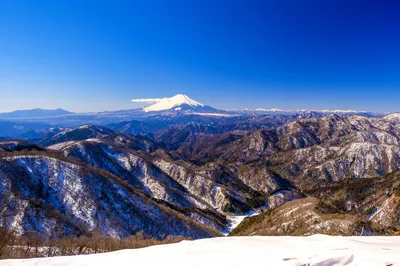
(41, 193)
(317, 250)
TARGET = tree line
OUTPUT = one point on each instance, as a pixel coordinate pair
(32, 244)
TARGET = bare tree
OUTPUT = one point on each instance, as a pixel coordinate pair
(7, 237)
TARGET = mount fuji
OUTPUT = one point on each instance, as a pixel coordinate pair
(177, 103)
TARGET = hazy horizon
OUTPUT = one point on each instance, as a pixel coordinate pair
(144, 102)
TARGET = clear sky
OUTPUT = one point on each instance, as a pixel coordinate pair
(98, 55)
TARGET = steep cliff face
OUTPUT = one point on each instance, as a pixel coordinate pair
(56, 196)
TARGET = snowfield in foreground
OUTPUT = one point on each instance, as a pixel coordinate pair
(317, 250)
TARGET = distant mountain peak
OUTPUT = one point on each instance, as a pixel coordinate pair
(30, 113)
(276, 111)
(161, 104)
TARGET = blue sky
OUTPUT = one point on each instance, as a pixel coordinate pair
(98, 55)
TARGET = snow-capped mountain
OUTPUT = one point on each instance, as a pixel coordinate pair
(277, 111)
(177, 103)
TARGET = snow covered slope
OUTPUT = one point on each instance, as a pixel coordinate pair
(53, 195)
(317, 250)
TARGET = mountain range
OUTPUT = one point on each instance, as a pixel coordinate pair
(185, 172)
(160, 113)
(34, 113)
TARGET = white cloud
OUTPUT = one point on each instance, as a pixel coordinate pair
(149, 100)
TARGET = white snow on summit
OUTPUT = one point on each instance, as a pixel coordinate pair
(306, 110)
(342, 111)
(269, 110)
(161, 104)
